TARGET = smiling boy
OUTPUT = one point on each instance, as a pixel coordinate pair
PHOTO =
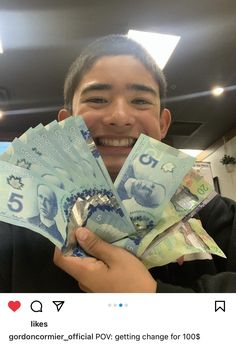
(119, 98)
(119, 91)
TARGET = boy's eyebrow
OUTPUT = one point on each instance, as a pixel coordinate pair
(96, 87)
(142, 87)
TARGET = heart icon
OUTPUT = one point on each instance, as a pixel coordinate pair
(14, 305)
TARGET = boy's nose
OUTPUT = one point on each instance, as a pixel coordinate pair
(120, 114)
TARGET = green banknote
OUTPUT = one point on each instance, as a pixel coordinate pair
(211, 245)
(181, 239)
(189, 197)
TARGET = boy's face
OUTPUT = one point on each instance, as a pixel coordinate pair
(119, 99)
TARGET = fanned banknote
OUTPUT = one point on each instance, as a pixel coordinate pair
(28, 201)
(95, 204)
(54, 180)
(105, 199)
(20, 154)
(38, 140)
(81, 139)
(181, 239)
(148, 179)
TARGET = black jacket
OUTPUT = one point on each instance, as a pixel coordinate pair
(26, 259)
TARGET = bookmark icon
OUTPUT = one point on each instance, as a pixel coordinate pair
(58, 304)
(219, 305)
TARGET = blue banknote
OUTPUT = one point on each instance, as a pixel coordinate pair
(148, 179)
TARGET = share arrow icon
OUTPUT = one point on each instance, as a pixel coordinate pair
(58, 304)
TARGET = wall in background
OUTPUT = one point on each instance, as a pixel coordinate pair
(227, 181)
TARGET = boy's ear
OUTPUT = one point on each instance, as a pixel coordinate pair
(63, 114)
(165, 121)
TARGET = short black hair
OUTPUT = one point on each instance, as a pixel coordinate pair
(111, 45)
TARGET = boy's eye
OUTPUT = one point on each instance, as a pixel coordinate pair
(96, 100)
(141, 101)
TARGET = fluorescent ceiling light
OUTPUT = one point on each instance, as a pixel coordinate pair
(160, 46)
(1, 48)
(193, 153)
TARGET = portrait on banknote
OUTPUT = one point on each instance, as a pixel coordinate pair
(48, 208)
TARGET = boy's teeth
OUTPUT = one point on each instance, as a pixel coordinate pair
(116, 142)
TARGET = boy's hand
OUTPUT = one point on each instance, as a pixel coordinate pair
(112, 269)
